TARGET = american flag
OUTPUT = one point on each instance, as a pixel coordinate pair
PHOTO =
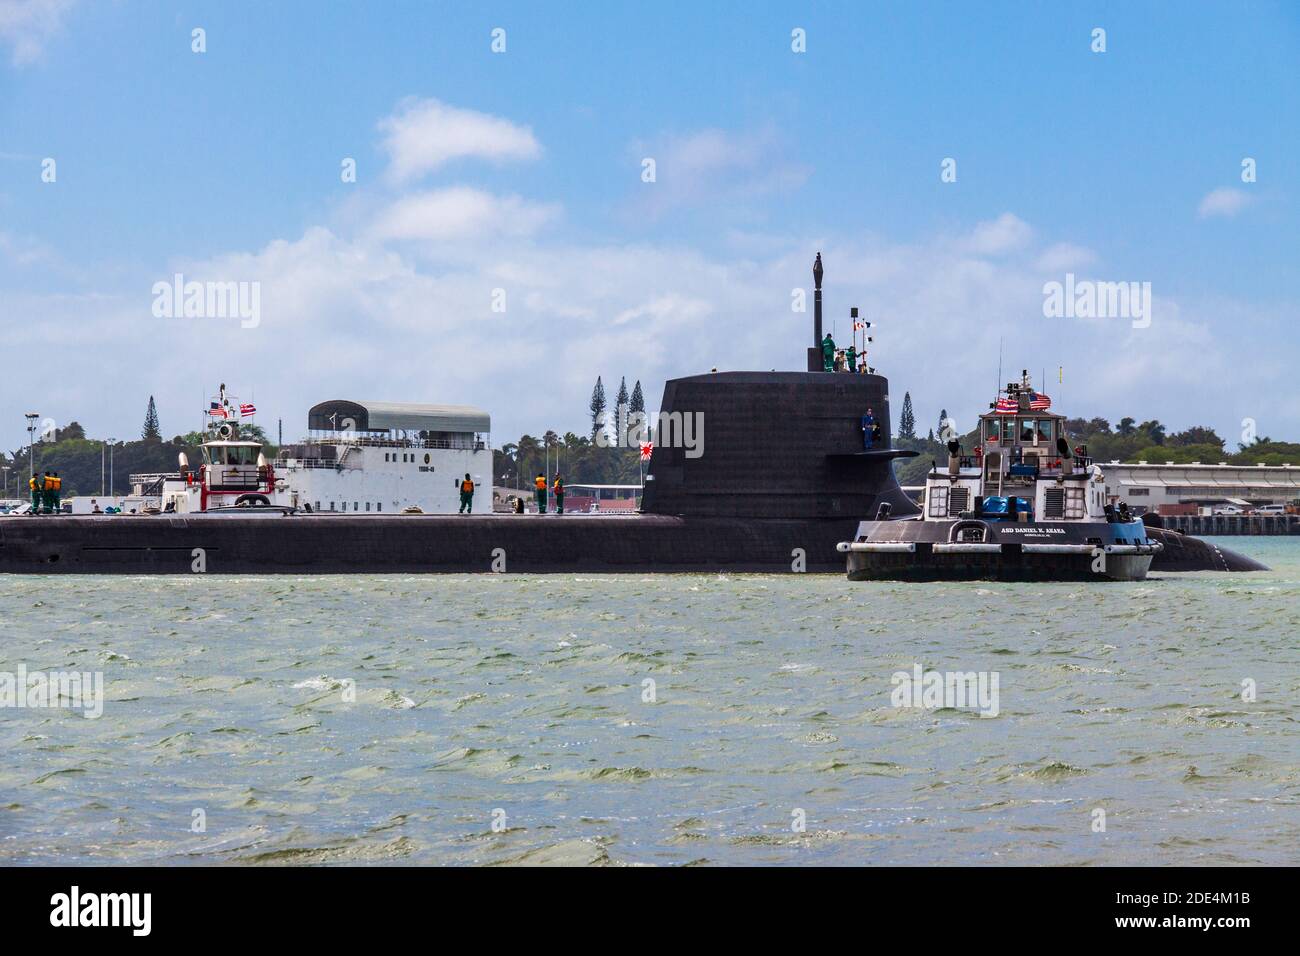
(216, 411)
(646, 449)
(247, 409)
(1039, 402)
(1005, 405)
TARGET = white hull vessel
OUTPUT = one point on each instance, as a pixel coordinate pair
(359, 458)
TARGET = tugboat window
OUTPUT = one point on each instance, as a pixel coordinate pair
(991, 430)
(938, 502)
(1026, 430)
(1009, 430)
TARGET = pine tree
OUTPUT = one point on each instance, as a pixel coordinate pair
(597, 407)
(943, 420)
(907, 420)
(620, 412)
(637, 411)
(151, 431)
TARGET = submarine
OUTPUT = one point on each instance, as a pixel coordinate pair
(782, 479)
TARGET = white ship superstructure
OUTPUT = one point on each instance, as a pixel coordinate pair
(386, 457)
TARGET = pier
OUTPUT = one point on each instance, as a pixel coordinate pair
(1200, 525)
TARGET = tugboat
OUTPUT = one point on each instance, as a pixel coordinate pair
(1024, 506)
(234, 472)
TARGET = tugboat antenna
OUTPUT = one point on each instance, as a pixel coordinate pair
(1000, 340)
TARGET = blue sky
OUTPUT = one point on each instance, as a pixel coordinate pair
(521, 171)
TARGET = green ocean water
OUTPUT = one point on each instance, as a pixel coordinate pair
(497, 719)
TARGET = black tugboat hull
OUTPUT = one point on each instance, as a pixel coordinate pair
(973, 549)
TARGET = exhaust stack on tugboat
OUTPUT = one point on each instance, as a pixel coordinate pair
(1023, 506)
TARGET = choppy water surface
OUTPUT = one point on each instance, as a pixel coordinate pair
(524, 695)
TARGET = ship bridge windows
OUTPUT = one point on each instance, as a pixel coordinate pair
(231, 454)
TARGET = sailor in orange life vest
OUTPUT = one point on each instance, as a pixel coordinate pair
(540, 484)
(467, 495)
(558, 488)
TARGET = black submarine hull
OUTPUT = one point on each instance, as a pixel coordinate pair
(774, 477)
(422, 544)
(415, 544)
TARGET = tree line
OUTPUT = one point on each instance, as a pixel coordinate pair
(603, 456)
(78, 458)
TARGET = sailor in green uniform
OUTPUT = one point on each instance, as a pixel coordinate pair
(37, 485)
(828, 353)
(851, 359)
(47, 492)
(539, 483)
(558, 488)
(56, 492)
(467, 495)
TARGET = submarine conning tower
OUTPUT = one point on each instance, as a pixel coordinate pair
(776, 444)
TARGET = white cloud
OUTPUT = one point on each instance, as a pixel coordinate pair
(1006, 233)
(712, 165)
(22, 252)
(1224, 201)
(397, 303)
(27, 25)
(1064, 256)
(459, 214)
(357, 317)
(425, 134)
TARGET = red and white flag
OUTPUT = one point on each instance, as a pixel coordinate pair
(1006, 405)
(247, 409)
(646, 449)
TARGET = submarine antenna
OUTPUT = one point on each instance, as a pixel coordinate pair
(815, 353)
